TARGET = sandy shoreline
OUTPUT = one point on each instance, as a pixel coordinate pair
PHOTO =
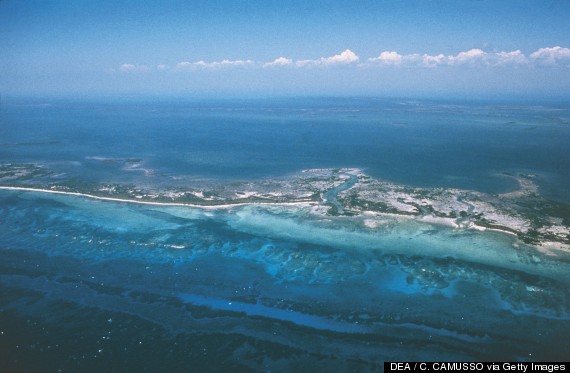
(426, 219)
(177, 204)
(449, 222)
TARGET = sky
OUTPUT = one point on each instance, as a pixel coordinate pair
(427, 48)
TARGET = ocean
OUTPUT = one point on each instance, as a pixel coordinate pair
(111, 285)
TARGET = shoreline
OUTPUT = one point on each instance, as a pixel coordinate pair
(447, 222)
(151, 203)
(442, 221)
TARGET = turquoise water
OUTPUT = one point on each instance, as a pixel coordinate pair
(96, 285)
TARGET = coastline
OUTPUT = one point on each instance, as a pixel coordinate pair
(441, 221)
(349, 192)
(447, 222)
(176, 204)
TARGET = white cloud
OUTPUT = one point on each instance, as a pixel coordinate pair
(128, 67)
(470, 56)
(344, 58)
(303, 63)
(200, 63)
(279, 61)
(433, 61)
(474, 57)
(515, 57)
(347, 56)
(232, 63)
(131, 68)
(185, 65)
(393, 58)
(550, 56)
(478, 56)
(389, 58)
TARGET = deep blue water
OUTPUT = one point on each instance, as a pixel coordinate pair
(463, 145)
(89, 285)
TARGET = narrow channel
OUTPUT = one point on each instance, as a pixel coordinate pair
(329, 196)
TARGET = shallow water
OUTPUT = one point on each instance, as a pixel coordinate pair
(287, 289)
(96, 285)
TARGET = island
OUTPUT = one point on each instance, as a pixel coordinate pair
(523, 213)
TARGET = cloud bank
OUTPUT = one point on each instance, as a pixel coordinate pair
(550, 56)
(185, 65)
(279, 61)
(389, 58)
(344, 58)
(472, 57)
